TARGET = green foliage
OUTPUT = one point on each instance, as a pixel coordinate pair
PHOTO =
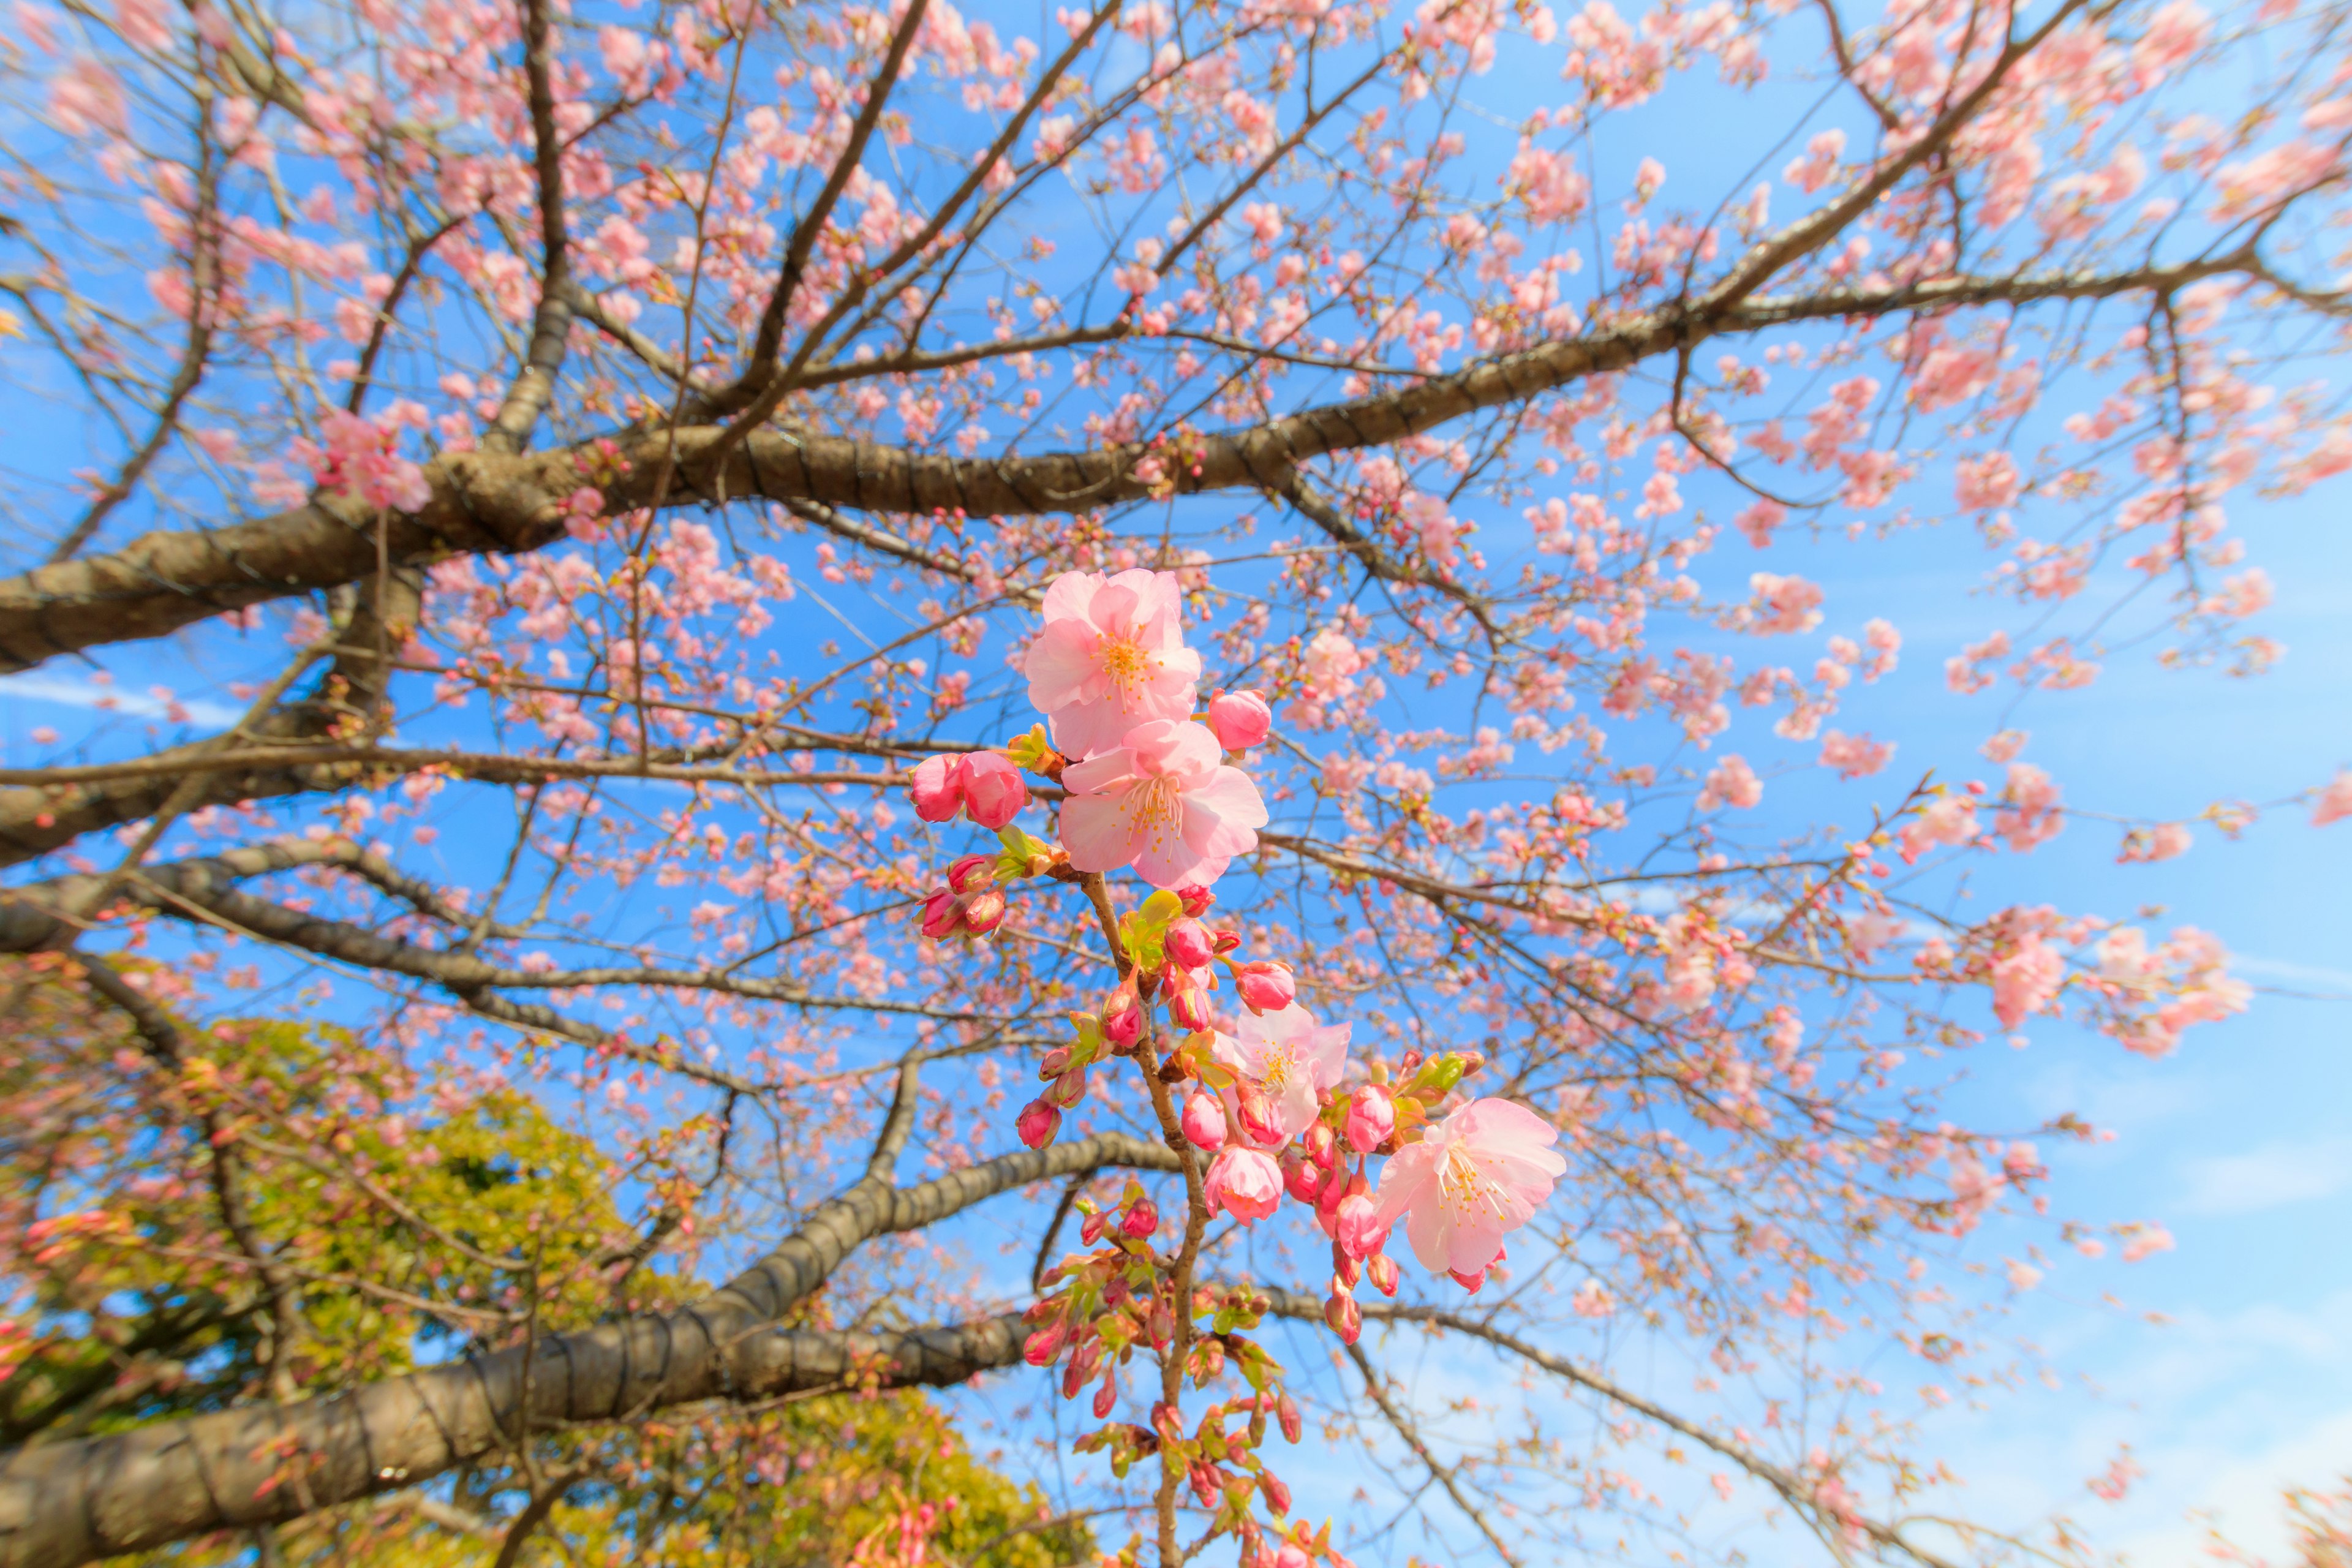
(410, 1222)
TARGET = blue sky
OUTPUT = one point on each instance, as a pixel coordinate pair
(2226, 1364)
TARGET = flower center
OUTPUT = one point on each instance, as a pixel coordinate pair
(1126, 664)
(1157, 807)
(1467, 1188)
(1274, 1068)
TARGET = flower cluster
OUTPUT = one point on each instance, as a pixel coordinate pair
(1262, 1094)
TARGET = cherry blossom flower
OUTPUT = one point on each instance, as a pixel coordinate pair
(1264, 986)
(1732, 783)
(1163, 803)
(1371, 1118)
(1476, 1176)
(1111, 658)
(1244, 1183)
(1204, 1122)
(983, 784)
(1285, 1057)
(2334, 802)
(1240, 719)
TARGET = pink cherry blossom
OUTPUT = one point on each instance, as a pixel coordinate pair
(1111, 656)
(1244, 1183)
(1475, 1177)
(1240, 719)
(982, 784)
(1855, 756)
(1163, 803)
(1264, 986)
(2334, 802)
(1732, 783)
(1204, 1122)
(1371, 1116)
(994, 790)
(1286, 1057)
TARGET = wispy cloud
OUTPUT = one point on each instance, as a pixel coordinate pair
(89, 695)
(2269, 1177)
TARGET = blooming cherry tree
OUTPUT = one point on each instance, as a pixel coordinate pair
(1036, 677)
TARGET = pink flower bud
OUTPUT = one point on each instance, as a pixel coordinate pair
(1056, 1063)
(1204, 1122)
(1038, 1123)
(1345, 1269)
(1196, 899)
(1108, 1395)
(1122, 1019)
(1265, 986)
(1240, 720)
(1224, 941)
(983, 911)
(1261, 1123)
(1043, 1348)
(1188, 944)
(1188, 1006)
(1091, 1230)
(1371, 1118)
(1141, 1220)
(994, 791)
(1347, 1319)
(1381, 1270)
(1244, 1183)
(1321, 1146)
(1277, 1496)
(937, 788)
(968, 873)
(1302, 1181)
(1359, 1232)
(1287, 1411)
(1068, 1090)
(942, 915)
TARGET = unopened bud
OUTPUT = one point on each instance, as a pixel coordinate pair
(1057, 1063)
(1277, 1496)
(1038, 1124)
(1188, 943)
(1204, 1122)
(1287, 1411)
(942, 915)
(1371, 1116)
(1321, 1146)
(1347, 1319)
(1381, 1270)
(983, 911)
(1141, 1220)
(1196, 899)
(1069, 1088)
(971, 871)
(1301, 1180)
(1122, 1019)
(1261, 1123)
(1264, 986)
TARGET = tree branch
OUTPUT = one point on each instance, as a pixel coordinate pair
(68, 1503)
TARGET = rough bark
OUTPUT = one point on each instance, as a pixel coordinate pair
(486, 502)
(69, 1504)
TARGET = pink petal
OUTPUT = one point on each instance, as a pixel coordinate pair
(1062, 664)
(1111, 770)
(1114, 607)
(1099, 831)
(1071, 594)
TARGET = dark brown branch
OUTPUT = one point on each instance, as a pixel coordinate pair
(485, 502)
(68, 1503)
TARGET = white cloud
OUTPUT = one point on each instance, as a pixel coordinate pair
(2269, 1177)
(89, 694)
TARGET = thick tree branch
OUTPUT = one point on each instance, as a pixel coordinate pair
(68, 1503)
(485, 502)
